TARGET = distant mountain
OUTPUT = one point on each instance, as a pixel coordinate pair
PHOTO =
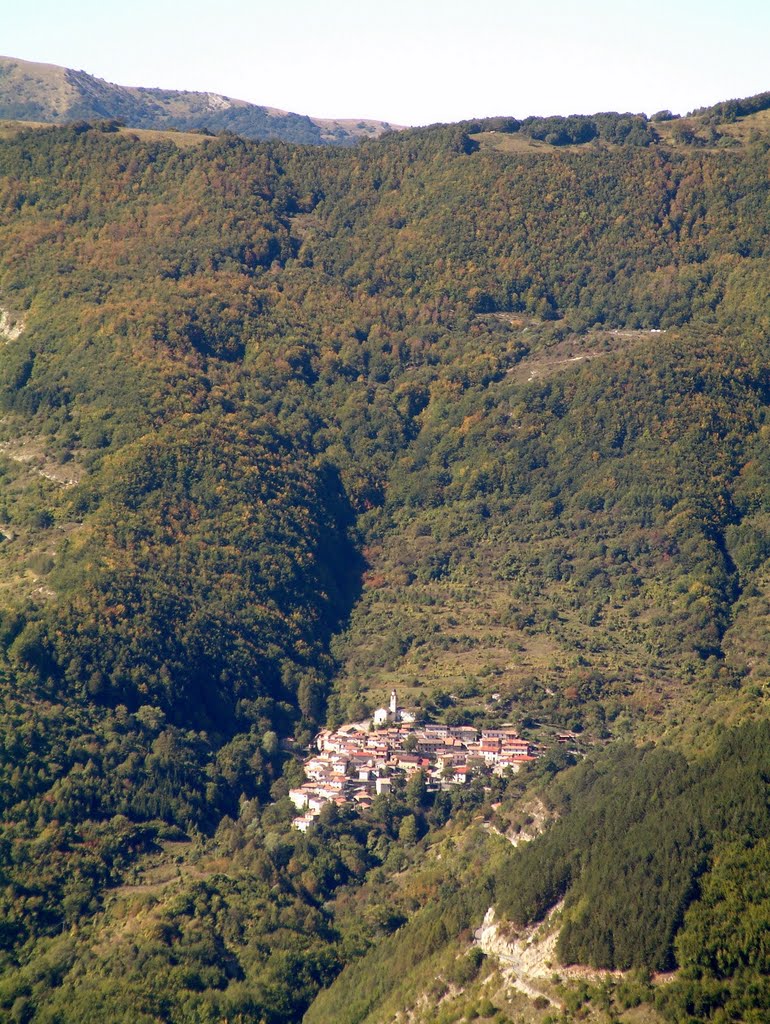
(46, 92)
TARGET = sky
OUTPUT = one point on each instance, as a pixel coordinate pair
(411, 62)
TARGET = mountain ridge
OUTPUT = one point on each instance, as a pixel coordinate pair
(32, 91)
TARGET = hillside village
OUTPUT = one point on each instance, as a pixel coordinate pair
(360, 760)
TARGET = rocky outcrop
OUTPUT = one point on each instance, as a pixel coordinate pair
(527, 957)
(11, 327)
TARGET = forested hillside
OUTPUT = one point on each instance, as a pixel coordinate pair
(475, 410)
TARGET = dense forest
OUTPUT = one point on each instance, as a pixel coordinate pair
(476, 410)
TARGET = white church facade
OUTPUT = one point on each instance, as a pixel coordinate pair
(392, 714)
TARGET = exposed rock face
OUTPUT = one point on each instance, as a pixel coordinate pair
(526, 957)
(11, 327)
(538, 817)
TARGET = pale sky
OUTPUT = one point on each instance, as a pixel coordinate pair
(411, 61)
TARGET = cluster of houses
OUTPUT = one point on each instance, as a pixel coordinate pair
(357, 762)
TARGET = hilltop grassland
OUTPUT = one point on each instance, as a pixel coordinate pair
(8, 129)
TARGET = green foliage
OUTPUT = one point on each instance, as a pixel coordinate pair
(248, 373)
(722, 948)
(637, 832)
(623, 129)
(729, 110)
(169, 614)
(451, 899)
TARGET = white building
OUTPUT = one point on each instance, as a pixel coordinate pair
(392, 714)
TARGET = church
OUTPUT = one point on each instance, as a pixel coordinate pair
(391, 715)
